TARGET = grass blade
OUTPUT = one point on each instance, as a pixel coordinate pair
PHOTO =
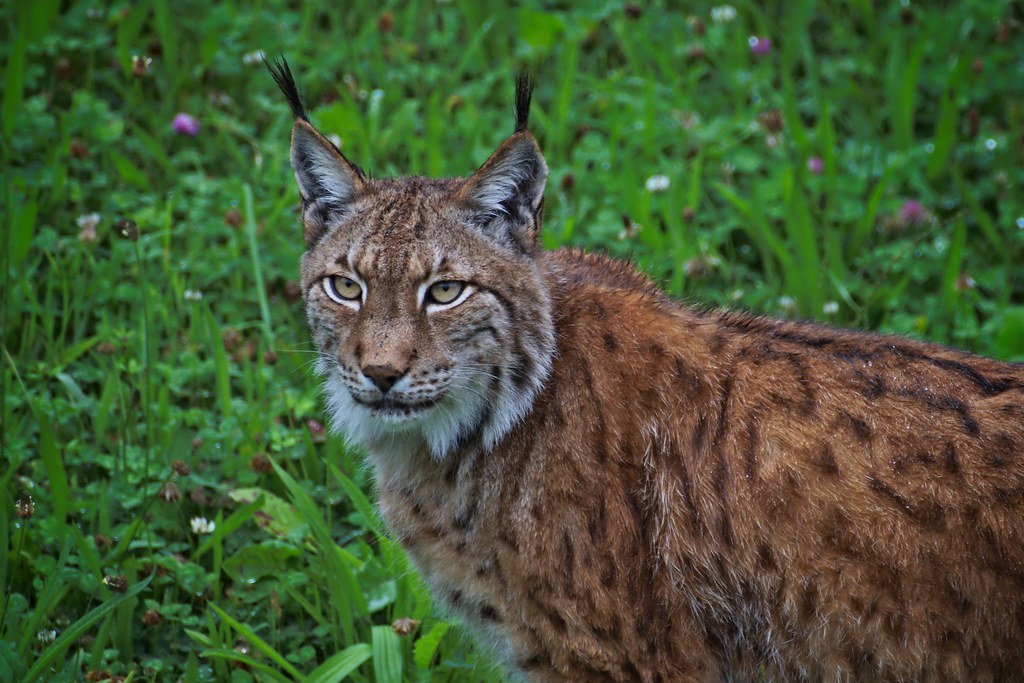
(54, 465)
(14, 76)
(77, 629)
(257, 642)
(251, 662)
(257, 268)
(359, 500)
(221, 366)
(953, 265)
(945, 127)
(345, 590)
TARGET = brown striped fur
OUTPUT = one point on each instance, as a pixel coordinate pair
(688, 495)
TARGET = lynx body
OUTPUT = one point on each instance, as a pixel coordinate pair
(606, 485)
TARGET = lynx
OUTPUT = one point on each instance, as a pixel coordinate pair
(605, 485)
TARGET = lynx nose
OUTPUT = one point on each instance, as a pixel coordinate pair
(384, 376)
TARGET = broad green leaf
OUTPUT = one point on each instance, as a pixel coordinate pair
(340, 665)
(129, 172)
(1010, 340)
(275, 515)
(426, 645)
(12, 667)
(253, 562)
(387, 655)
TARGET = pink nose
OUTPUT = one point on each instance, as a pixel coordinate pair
(383, 376)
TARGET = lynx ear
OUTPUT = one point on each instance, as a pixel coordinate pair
(328, 182)
(506, 194)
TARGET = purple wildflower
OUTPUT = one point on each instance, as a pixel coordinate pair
(815, 165)
(912, 212)
(185, 124)
(760, 46)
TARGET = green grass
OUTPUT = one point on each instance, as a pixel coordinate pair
(149, 382)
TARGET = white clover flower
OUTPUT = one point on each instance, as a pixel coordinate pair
(657, 183)
(723, 14)
(254, 57)
(736, 295)
(141, 65)
(47, 635)
(88, 221)
(335, 140)
(830, 307)
(630, 231)
(193, 295)
(787, 303)
(201, 525)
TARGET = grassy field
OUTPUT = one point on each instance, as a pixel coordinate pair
(172, 506)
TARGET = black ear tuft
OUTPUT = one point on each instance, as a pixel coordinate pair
(524, 93)
(282, 75)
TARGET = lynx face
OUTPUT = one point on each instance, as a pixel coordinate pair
(418, 332)
(424, 296)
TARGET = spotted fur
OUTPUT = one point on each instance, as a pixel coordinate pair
(608, 486)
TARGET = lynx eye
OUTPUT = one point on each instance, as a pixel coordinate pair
(445, 292)
(342, 289)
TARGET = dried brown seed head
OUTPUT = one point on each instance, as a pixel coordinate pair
(118, 583)
(78, 149)
(26, 507)
(128, 229)
(233, 218)
(404, 626)
(261, 463)
(170, 492)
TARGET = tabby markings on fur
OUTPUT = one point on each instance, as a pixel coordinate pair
(606, 485)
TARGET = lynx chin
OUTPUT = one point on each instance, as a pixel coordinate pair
(608, 486)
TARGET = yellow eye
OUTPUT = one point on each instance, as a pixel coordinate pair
(341, 288)
(445, 292)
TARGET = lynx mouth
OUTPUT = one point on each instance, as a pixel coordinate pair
(393, 409)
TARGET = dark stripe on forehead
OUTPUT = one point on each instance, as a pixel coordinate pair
(343, 262)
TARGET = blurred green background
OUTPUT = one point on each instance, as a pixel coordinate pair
(173, 508)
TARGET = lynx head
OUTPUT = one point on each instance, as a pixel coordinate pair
(424, 296)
